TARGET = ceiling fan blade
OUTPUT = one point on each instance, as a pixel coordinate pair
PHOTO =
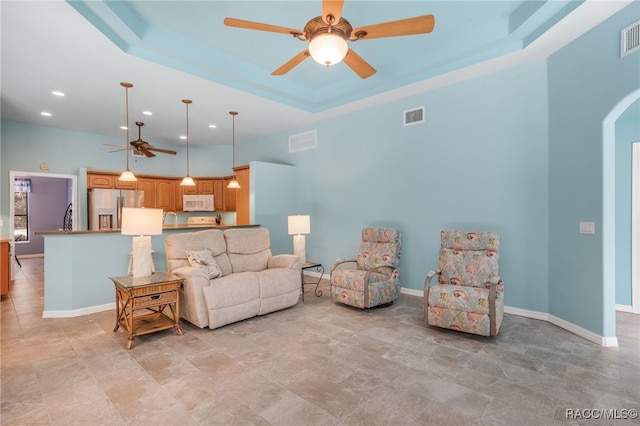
(148, 153)
(164, 151)
(358, 65)
(288, 66)
(240, 23)
(118, 150)
(331, 8)
(417, 25)
(114, 144)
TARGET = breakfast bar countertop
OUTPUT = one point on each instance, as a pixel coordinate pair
(182, 226)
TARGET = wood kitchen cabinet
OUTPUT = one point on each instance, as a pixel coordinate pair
(100, 181)
(229, 196)
(5, 263)
(218, 194)
(205, 186)
(103, 181)
(158, 193)
(148, 186)
(242, 196)
(164, 195)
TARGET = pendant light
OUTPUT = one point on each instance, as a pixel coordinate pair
(127, 175)
(234, 183)
(187, 181)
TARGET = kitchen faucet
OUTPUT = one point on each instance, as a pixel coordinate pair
(175, 217)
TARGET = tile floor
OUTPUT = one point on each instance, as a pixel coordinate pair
(318, 363)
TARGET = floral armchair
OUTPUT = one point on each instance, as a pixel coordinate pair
(469, 294)
(375, 279)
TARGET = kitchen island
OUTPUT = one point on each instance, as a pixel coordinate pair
(78, 264)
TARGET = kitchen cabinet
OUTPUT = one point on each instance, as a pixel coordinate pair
(148, 185)
(229, 196)
(5, 263)
(177, 195)
(242, 196)
(189, 190)
(205, 186)
(100, 181)
(164, 195)
(123, 184)
(104, 181)
(158, 193)
(219, 195)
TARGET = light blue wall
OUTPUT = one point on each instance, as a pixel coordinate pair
(587, 79)
(478, 162)
(627, 131)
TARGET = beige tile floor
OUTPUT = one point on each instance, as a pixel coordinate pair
(318, 363)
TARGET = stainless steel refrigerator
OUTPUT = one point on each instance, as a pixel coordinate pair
(105, 207)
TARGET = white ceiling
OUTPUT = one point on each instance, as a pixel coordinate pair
(172, 50)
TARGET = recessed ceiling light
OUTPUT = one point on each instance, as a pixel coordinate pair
(46, 114)
(123, 127)
(147, 113)
(213, 126)
(57, 93)
(183, 137)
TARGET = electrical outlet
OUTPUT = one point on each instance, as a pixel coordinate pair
(587, 228)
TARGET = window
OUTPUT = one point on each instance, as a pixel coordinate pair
(21, 216)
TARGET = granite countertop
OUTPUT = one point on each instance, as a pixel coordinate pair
(164, 228)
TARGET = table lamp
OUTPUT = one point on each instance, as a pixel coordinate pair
(143, 223)
(298, 226)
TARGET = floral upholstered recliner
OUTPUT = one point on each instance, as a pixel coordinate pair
(469, 294)
(375, 281)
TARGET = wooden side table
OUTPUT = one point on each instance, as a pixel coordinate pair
(156, 293)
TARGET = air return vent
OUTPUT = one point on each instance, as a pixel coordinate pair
(630, 39)
(413, 116)
(303, 141)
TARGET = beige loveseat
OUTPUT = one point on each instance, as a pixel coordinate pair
(248, 281)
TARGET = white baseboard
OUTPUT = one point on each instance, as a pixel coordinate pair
(607, 342)
(79, 312)
(624, 308)
(28, 256)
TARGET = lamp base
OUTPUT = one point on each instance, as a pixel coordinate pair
(298, 247)
(142, 259)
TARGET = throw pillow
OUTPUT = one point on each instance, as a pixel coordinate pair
(203, 259)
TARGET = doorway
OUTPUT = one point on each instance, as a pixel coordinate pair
(635, 229)
(53, 218)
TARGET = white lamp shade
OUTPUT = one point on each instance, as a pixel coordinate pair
(141, 221)
(299, 224)
(328, 49)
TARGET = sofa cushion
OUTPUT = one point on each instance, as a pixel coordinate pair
(278, 281)
(176, 246)
(231, 290)
(248, 249)
(202, 259)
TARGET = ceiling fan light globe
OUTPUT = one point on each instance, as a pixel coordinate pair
(127, 176)
(328, 49)
(187, 181)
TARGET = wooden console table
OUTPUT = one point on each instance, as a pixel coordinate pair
(155, 293)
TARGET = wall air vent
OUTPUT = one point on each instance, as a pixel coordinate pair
(413, 116)
(630, 39)
(303, 141)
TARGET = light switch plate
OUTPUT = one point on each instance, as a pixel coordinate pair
(587, 228)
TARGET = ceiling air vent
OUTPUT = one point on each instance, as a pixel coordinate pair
(303, 141)
(630, 39)
(413, 116)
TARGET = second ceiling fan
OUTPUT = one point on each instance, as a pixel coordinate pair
(328, 36)
(141, 147)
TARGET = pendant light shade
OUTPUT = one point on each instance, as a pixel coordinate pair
(127, 175)
(234, 183)
(187, 181)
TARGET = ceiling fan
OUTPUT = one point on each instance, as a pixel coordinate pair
(142, 147)
(328, 35)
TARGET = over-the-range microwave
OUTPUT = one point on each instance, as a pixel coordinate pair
(198, 203)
